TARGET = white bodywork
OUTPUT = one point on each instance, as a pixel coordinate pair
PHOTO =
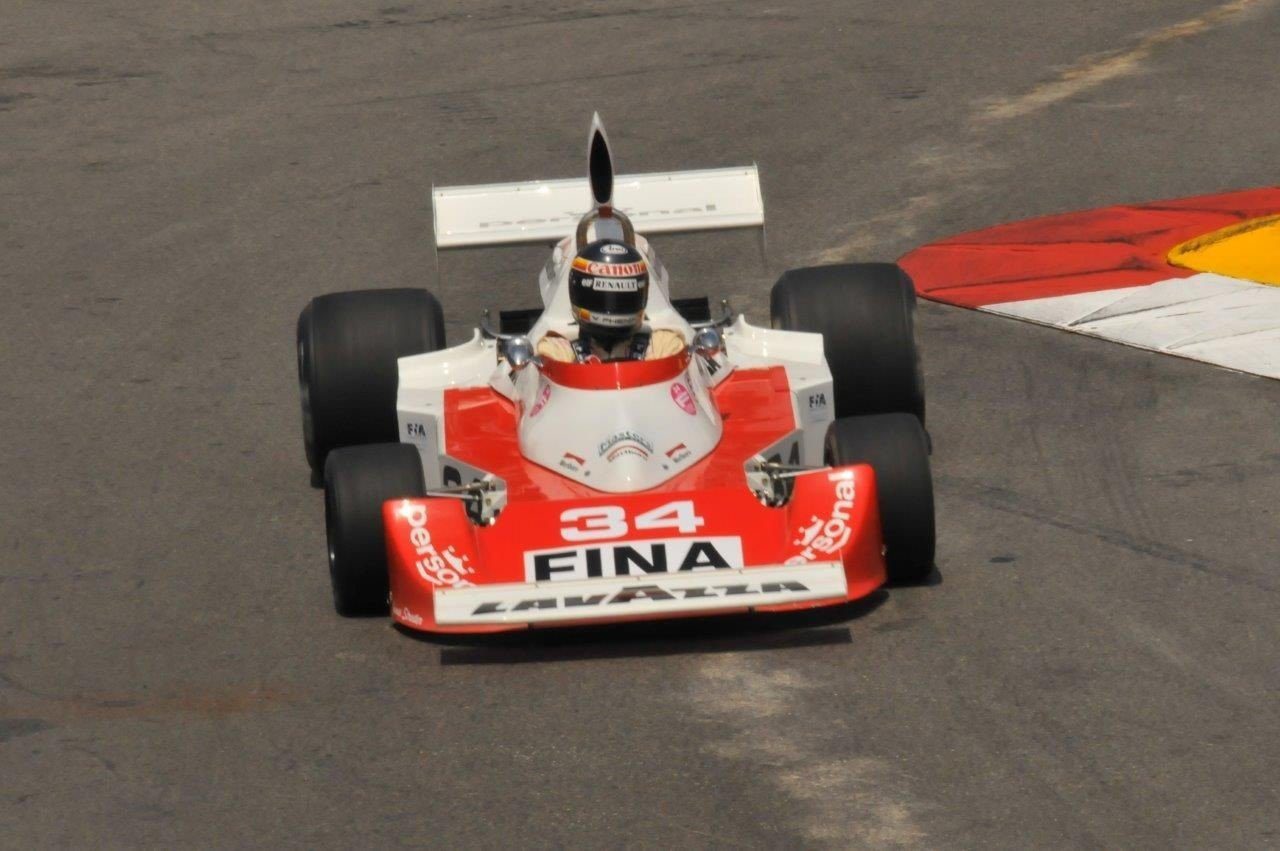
(772, 585)
(546, 210)
(618, 440)
(581, 423)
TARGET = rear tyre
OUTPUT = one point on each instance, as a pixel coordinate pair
(348, 344)
(896, 447)
(357, 480)
(865, 313)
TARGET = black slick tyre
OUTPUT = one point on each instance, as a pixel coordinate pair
(348, 344)
(865, 313)
(357, 481)
(896, 448)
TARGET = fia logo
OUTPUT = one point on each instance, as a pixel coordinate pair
(817, 401)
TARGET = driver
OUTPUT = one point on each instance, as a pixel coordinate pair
(608, 290)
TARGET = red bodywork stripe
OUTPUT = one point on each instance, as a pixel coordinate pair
(614, 375)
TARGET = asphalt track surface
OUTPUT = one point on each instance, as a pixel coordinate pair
(1097, 666)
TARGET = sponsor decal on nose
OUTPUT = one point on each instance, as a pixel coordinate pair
(624, 443)
(823, 538)
(627, 596)
(678, 453)
(683, 399)
(439, 567)
(661, 556)
(544, 394)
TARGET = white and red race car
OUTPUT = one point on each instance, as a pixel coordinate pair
(478, 488)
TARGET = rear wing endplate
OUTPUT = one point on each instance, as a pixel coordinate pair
(547, 210)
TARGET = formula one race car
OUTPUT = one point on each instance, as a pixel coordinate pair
(482, 487)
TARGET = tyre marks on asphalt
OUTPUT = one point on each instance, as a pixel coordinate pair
(1008, 502)
(1222, 472)
(14, 728)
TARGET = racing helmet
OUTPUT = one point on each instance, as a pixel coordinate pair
(608, 289)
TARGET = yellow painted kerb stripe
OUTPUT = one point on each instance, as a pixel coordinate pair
(1249, 250)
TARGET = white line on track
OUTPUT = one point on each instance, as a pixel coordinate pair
(958, 169)
(1097, 69)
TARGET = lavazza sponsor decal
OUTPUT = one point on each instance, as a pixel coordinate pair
(439, 567)
(821, 538)
(633, 558)
(653, 593)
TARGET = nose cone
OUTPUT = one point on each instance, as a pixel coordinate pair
(627, 464)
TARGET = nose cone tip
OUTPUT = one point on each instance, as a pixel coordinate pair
(628, 469)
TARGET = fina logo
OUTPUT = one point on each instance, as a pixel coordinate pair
(661, 556)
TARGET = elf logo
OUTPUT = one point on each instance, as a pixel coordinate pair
(633, 558)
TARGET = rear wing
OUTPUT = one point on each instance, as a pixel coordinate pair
(548, 210)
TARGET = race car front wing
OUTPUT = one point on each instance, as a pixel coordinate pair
(608, 598)
(653, 554)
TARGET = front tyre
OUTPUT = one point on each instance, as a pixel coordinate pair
(865, 313)
(348, 345)
(357, 481)
(897, 449)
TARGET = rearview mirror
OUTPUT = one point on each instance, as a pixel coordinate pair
(708, 342)
(519, 352)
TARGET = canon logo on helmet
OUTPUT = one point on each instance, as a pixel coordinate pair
(610, 270)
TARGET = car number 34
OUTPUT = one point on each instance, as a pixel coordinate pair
(603, 522)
